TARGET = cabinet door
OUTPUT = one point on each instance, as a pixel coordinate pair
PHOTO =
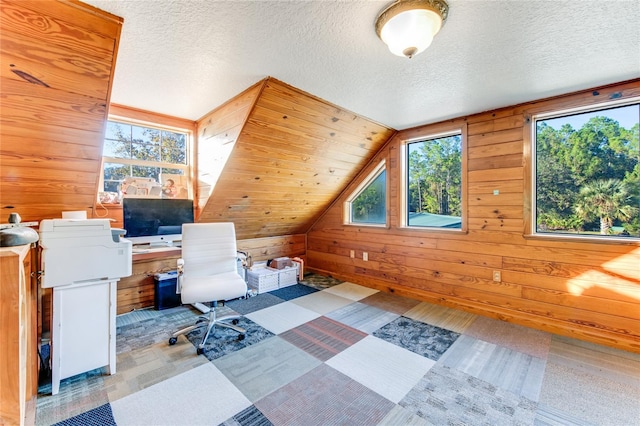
(83, 339)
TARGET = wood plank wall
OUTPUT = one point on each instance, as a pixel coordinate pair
(573, 287)
(268, 248)
(294, 155)
(58, 60)
(217, 134)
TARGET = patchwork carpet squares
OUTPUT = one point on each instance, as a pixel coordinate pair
(325, 352)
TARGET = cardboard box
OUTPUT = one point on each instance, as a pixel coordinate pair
(280, 263)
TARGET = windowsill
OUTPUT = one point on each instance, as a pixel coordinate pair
(433, 229)
(587, 239)
(368, 225)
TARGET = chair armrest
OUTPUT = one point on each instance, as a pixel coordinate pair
(180, 266)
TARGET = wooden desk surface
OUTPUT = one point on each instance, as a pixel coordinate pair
(156, 253)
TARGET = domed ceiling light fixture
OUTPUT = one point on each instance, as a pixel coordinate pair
(408, 26)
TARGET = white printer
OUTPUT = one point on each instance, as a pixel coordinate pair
(82, 261)
(76, 250)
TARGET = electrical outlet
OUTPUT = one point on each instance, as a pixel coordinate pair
(365, 256)
(497, 276)
(352, 254)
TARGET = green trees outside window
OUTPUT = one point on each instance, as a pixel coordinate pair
(587, 173)
(434, 174)
(370, 205)
(138, 151)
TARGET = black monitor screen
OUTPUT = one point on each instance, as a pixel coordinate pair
(150, 216)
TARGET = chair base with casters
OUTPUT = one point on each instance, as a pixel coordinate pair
(210, 323)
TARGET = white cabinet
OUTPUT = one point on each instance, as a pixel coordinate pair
(84, 329)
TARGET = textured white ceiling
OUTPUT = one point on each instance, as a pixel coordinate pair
(186, 57)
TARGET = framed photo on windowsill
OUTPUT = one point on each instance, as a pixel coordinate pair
(174, 186)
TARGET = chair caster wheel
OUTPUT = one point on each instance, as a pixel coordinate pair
(240, 336)
(199, 351)
(172, 341)
(235, 321)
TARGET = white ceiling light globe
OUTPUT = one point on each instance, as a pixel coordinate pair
(408, 26)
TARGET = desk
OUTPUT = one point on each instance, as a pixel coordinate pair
(137, 291)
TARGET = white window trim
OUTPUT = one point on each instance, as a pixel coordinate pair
(532, 231)
(160, 164)
(347, 211)
(582, 110)
(404, 199)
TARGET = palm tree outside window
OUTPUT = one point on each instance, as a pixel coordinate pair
(587, 174)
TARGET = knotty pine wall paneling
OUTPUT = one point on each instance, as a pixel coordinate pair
(58, 59)
(293, 155)
(267, 248)
(570, 286)
(217, 133)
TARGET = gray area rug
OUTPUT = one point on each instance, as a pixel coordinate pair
(319, 282)
(250, 416)
(100, 416)
(424, 339)
(223, 340)
(151, 327)
(255, 303)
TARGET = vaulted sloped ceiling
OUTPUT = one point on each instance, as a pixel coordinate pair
(293, 155)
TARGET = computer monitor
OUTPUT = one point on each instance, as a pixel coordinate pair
(156, 221)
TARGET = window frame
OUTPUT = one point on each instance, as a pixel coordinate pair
(185, 168)
(371, 177)
(601, 100)
(436, 132)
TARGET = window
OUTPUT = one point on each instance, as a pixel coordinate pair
(368, 203)
(433, 182)
(586, 172)
(145, 161)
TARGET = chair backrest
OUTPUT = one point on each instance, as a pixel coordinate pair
(208, 248)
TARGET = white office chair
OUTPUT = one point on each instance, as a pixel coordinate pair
(208, 272)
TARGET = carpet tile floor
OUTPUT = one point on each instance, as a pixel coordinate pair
(326, 352)
(323, 338)
(333, 399)
(363, 317)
